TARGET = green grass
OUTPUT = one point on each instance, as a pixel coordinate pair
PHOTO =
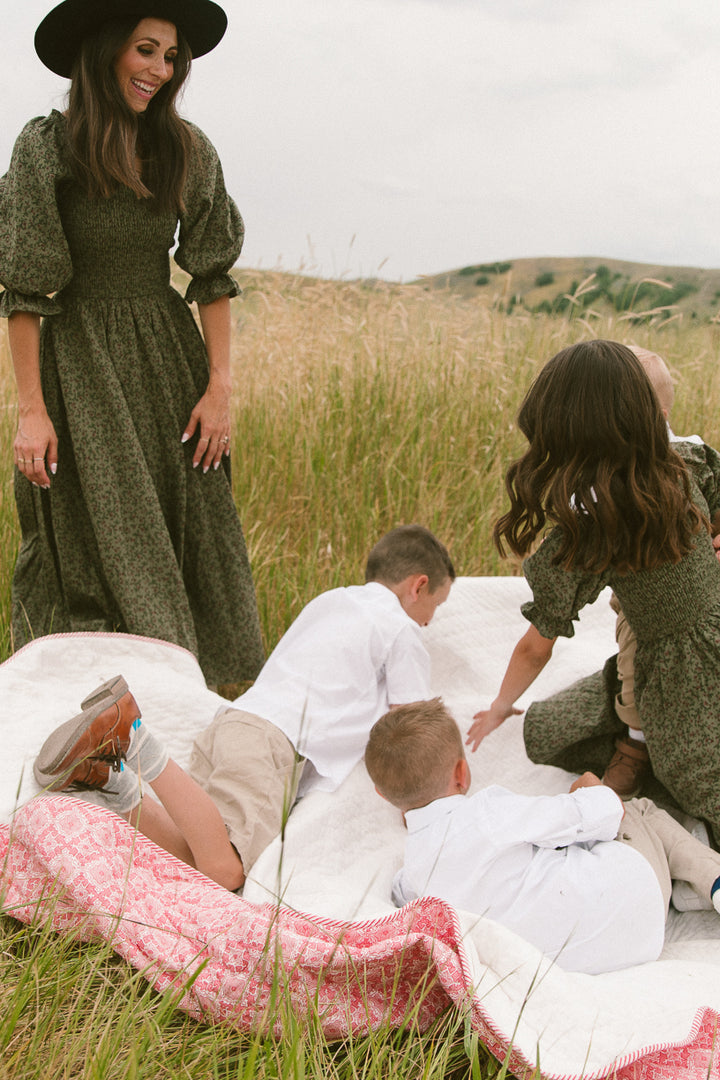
(356, 408)
(72, 1009)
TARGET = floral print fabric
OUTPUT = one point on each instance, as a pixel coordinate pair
(130, 537)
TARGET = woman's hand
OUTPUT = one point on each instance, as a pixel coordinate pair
(35, 446)
(488, 720)
(211, 417)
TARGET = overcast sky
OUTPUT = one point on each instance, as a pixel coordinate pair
(408, 137)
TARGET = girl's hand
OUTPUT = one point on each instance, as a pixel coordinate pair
(211, 416)
(487, 721)
(529, 657)
(35, 446)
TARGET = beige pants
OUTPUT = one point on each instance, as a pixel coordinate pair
(250, 770)
(627, 647)
(669, 848)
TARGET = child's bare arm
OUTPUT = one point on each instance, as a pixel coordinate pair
(529, 657)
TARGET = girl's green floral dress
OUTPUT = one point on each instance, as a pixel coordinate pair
(129, 537)
(674, 612)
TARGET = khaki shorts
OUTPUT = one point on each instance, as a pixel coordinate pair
(250, 770)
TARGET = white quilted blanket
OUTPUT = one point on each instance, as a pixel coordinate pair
(341, 850)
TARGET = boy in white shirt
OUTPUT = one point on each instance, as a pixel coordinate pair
(583, 877)
(352, 654)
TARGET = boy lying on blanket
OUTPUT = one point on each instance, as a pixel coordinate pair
(352, 654)
(584, 877)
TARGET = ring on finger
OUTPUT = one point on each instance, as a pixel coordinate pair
(226, 440)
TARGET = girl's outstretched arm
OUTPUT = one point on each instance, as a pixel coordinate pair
(529, 657)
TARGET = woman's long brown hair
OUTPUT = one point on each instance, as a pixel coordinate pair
(599, 465)
(105, 137)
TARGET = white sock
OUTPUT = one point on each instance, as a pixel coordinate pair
(636, 734)
(122, 792)
(146, 754)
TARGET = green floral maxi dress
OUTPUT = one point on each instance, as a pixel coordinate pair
(675, 614)
(129, 537)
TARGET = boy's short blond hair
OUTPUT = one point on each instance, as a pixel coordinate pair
(412, 752)
(657, 372)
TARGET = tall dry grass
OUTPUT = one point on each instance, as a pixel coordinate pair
(362, 407)
(358, 407)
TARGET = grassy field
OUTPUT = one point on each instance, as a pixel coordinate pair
(356, 408)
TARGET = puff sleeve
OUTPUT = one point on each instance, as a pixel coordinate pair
(34, 255)
(211, 228)
(558, 595)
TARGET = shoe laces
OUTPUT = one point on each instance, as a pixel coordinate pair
(112, 755)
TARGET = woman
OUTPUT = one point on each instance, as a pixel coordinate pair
(122, 482)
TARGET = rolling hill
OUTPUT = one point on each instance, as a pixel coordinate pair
(641, 290)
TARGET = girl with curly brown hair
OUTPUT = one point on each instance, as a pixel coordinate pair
(616, 504)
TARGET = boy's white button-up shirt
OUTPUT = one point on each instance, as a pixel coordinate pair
(350, 654)
(548, 867)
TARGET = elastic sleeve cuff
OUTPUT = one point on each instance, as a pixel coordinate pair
(12, 301)
(205, 290)
(543, 625)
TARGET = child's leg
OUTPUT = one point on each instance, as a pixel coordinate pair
(631, 760)
(659, 837)
(189, 825)
(688, 859)
(87, 753)
(152, 819)
(637, 833)
(627, 647)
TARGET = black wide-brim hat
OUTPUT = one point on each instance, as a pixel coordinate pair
(58, 37)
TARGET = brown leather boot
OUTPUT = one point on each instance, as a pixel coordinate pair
(628, 767)
(80, 753)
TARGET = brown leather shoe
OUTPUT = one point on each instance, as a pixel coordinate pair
(92, 774)
(80, 753)
(628, 767)
(111, 690)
